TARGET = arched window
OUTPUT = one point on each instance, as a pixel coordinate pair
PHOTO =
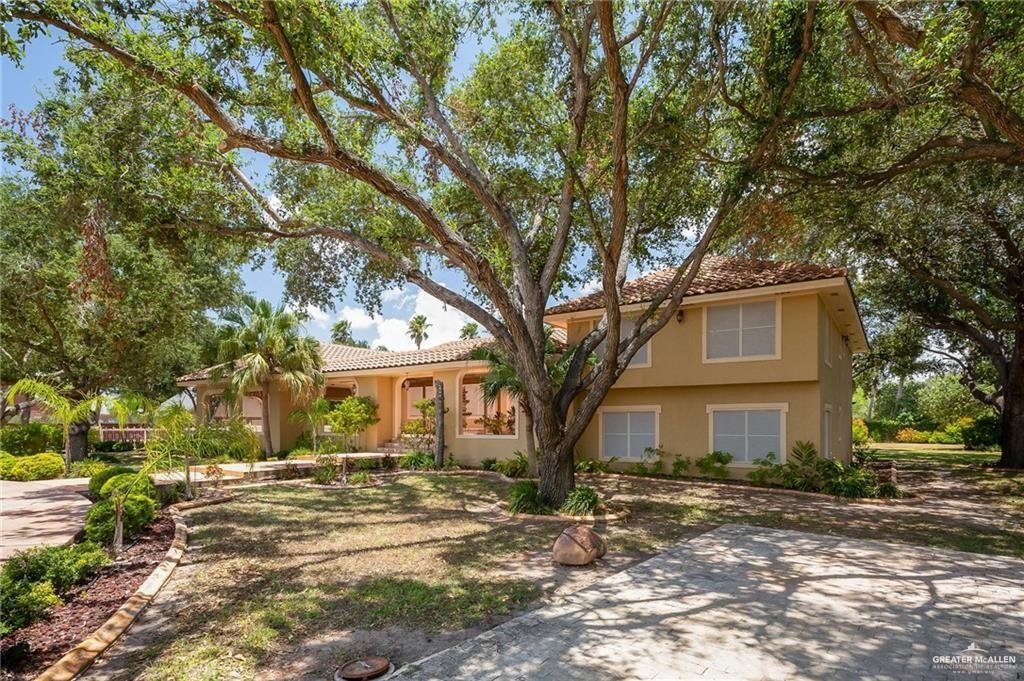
(482, 418)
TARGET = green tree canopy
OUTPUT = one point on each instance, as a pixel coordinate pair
(109, 272)
(586, 139)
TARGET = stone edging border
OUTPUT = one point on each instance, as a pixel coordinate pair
(79, 658)
(903, 501)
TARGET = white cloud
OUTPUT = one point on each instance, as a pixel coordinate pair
(357, 317)
(398, 297)
(317, 316)
(445, 324)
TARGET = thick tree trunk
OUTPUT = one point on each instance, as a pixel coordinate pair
(531, 440)
(556, 466)
(78, 440)
(268, 443)
(900, 387)
(438, 425)
(26, 412)
(1012, 438)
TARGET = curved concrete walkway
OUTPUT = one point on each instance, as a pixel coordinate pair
(40, 513)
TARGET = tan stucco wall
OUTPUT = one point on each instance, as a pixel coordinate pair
(683, 424)
(467, 451)
(678, 380)
(836, 386)
(677, 350)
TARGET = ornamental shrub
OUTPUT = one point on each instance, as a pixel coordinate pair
(594, 465)
(97, 480)
(910, 435)
(860, 432)
(680, 466)
(22, 603)
(359, 478)
(516, 467)
(766, 471)
(888, 490)
(882, 430)
(138, 512)
(6, 463)
(417, 461)
(941, 437)
(713, 464)
(956, 429)
(45, 466)
(31, 438)
(851, 483)
(524, 497)
(61, 566)
(326, 470)
(582, 500)
(86, 468)
(129, 483)
(488, 464)
(983, 433)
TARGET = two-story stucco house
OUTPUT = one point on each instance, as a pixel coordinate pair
(757, 357)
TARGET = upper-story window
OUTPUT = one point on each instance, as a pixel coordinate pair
(642, 358)
(746, 330)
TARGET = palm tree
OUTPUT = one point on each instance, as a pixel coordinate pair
(418, 326)
(65, 410)
(341, 332)
(313, 415)
(265, 344)
(469, 331)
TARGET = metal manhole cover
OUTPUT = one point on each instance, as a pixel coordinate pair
(362, 669)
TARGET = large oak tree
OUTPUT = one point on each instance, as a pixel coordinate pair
(586, 138)
(107, 287)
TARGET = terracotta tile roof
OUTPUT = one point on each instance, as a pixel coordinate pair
(331, 353)
(347, 358)
(454, 351)
(718, 273)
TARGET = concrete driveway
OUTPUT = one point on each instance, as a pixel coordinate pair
(40, 513)
(752, 603)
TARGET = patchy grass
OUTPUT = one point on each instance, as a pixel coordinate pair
(288, 563)
(908, 454)
(289, 581)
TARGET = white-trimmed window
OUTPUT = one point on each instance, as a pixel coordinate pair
(747, 431)
(479, 417)
(742, 331)
(642, 357)
(627, 432)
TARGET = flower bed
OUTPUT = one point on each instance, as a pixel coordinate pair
(29, 650)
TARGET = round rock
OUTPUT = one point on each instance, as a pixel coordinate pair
(578, 545)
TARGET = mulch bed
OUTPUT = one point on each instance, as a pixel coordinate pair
(86, 607)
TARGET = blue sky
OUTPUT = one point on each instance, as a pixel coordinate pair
(21, 87)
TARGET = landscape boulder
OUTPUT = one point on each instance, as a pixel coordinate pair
(578, 545)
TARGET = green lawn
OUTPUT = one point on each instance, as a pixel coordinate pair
(289, 581)
(933, 454)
